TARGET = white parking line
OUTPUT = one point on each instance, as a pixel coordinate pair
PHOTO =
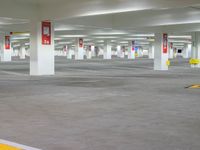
(17, 146)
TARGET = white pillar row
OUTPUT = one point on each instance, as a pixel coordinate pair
(22, 52)
(161, 51)
(89, 52)
(140, 52)
(123, 51)
(107, 50)
(131, 50)
(65, 49)
(171, 51)
(151, 51)
(187, 51)
(70, 53)
(5, 47)
(196, 48)
(118, 51)
(42, 48)
(12, 51)
(79, 49)
(93, 51)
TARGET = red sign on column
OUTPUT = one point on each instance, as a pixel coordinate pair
(165, 43)
(81, 43)
(7, 42)
(133, 45)
(46, 33)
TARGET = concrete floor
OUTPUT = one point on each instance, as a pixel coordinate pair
(101, 105)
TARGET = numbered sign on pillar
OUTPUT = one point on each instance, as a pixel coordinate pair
(46, 33)
(133, 45)
(81, 43)
(165, 43)
(7, 42)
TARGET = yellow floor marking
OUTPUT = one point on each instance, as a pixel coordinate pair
(8, 147)
(195, 86)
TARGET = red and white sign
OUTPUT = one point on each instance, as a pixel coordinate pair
(133, 45)
(81, 43)
(165, 43)
(46, 33)
(7, 42)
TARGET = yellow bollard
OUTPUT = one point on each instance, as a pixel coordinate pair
(168, 62)
(194, 61)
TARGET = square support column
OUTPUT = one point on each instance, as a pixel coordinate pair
(93, 51)
(131, 50)
(187, 51)
(42, 48)
(79, 49)
(161, 51)
(151, 51)
(5, 47)
(22, 53)
(89, 52)
(171, 51)
(196, 49)
(107, 50)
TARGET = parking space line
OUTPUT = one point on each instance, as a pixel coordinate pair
(7, 145)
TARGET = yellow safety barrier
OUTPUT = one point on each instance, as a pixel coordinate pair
(8, 147)
(194, 61)
(136, 54)
(168, 62)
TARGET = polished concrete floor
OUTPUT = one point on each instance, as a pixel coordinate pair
(101, 105)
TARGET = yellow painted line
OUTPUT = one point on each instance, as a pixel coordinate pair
(195, 87)
(8, 147)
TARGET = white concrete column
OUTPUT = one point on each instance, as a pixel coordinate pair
(107, 50)
(196, 48)
(131, 50)
(65, 49)
(22, 52)
(151, 51)
(12, 51)
(42, 48)
(123, 49)
(140, 52)
(70, 54)
(187, 51)
(89, 52)
(118, 51)
(79, 49)
(161, 51)
(171, 51)
(5, 47)
(93, 51)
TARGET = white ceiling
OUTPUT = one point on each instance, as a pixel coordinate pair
(98, 19)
